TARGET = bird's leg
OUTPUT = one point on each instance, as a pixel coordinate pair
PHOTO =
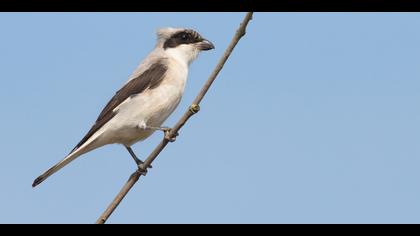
(133, 155)
(140, 163)
(166, 131)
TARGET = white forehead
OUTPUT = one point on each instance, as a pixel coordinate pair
(165, 33)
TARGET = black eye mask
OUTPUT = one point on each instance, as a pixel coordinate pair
(183, 37)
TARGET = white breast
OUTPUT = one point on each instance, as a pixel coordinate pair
(163, 99)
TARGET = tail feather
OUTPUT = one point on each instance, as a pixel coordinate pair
(88, 145)
(56, 167)
(73, 155)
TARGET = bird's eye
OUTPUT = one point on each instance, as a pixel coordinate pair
(184, 36)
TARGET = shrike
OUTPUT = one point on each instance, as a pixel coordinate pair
(146, 100)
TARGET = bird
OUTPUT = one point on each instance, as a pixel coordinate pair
(146, 100)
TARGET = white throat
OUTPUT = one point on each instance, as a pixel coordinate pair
(183, 53)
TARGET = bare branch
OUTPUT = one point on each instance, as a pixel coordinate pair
(193, 109)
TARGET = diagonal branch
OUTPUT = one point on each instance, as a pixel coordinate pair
(193, 109)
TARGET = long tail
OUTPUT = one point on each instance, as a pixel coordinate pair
(88, 145)
(73, 155)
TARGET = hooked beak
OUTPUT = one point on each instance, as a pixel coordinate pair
(205, 45)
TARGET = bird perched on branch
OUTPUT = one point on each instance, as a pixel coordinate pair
(146, 100)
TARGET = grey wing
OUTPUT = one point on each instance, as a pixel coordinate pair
(150, 78)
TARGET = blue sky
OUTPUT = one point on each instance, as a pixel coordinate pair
(314, 119)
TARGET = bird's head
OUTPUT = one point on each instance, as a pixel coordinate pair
(184, 44)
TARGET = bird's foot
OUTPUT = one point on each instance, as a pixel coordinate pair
(141, 163)
(167, 132)
(142, 169)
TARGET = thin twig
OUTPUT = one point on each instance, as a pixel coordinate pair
(193, 109)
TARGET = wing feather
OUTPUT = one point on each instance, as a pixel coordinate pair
(149, 79)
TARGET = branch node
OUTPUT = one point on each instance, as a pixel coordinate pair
(241, 32)
(194, 108)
